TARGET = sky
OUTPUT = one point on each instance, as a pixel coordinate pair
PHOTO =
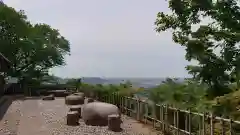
(109, 38)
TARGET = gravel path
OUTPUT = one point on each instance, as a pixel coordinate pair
(10, 121)
(37, 117)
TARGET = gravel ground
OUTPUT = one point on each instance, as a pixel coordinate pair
(10, 121)
(38, 117)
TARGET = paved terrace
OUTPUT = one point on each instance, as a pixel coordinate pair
(33, 116)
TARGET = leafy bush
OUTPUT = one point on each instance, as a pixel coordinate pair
(186, 95)
(227, 105)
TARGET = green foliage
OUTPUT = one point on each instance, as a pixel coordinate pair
(50, 79)
(31, 48)
(187, 95)
(227, 105)
(74, 83)
(210, 33)
(222, 32)
(124, 89)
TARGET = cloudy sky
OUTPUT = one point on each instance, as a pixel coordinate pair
(109, 38)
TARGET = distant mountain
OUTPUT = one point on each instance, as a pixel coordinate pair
(136, 82)
(93, 80)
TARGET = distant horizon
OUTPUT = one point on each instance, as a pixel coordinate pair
(136, 82)
(122, 77)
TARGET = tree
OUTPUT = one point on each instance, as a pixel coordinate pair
(222, 32)
(75, 82)
(126, 84)
(32, 48)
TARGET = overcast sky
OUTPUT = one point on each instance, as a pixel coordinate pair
(109, 38)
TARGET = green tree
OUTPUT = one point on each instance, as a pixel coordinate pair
(126, 84)
(76, 83)
(213, 44)
(32, 49)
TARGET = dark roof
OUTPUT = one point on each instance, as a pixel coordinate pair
(4, 63)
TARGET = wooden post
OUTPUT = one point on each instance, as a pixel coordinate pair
(121, 104)
(190, 122)
(146, 113)
(211, 124)
(203, 123)
(178, 122)
(126, 105)
(222, 126)
(230, 127)
(186, 121)
(174, 122)
(138, 109)
(166, 119)
(154, 115)
(162, 117)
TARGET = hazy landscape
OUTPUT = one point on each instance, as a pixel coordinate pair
(136, 82)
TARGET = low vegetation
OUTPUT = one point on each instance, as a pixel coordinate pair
(184, 95)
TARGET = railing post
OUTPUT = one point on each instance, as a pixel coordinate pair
(174, 121)
(142, 111)
(122, 103)
(138, 109)
(154, 115)
(222, 126)
(211, 124)
(203, 123)
(186, 121)
(230, 127)
(190, 122)
(146, 113)
(126, 105)
(162, 117)
(177, 122)
(112, 96)
(166, 119)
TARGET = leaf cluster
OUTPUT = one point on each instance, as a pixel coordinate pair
(210, 32)
(31, 48)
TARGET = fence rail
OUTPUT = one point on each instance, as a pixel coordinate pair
(173, 120)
